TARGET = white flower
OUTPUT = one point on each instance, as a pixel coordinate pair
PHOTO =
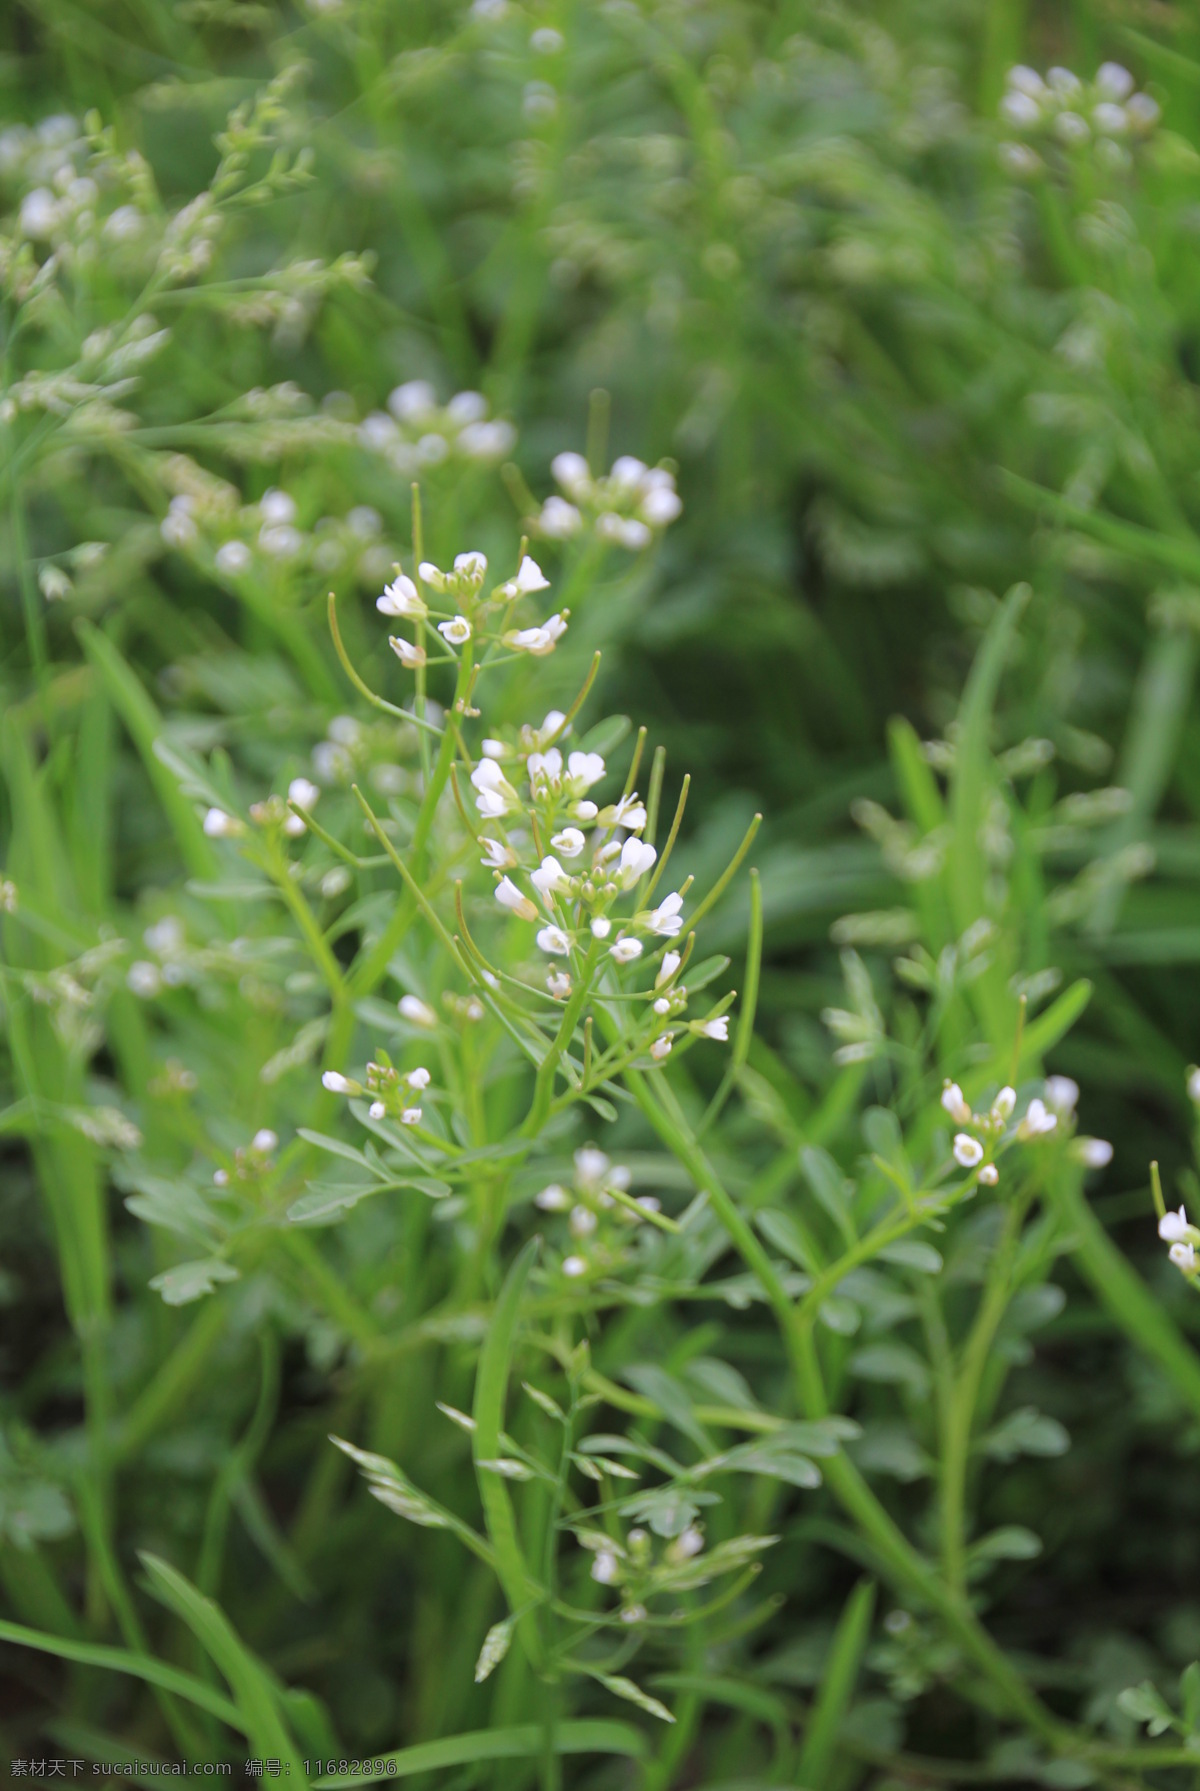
(486, 440)
(413, 402)
(1061, 1093)
(1093, 1153)
(668, 967)
(558, 519)
(1020, 109)
(690, 1543)
(264, 1140)
(630, 813)
(303, 792)
(471, 566)
(574, 1266)
(496, 856)
(401, 598)
(544, 767)
(549, 877)
(626, 531)
(1173, 1227)
(411, 1116)
(591, 1165)
(280, 540)
(494, 794)
(277, 506)
(585, 811)
(665, 920)
(1183, 1256)
(178, 527)
(1143, 111)
(967, 1151)
(530, 578)
(144, 979)
(584, 770)
(1071, 127)
(416, 1011)
(1109, 119)
(406, 652)
(553, 1199)
(606, 1566)
(456, 631)
(559, 984)
(40, 214)
(1113, 81)
(601, 927)
(636, 859)
(628, 471)
(661, 1048)
(1193, 1085)
(989, 1174)
(572, 473)
(663, 1005)
(1037, 1121)
(956, 1104)
(570, 842)
(1063, 81)
(660, 506)
(418, 1078)
(583, 1222)
(1004, 1103)
(337, 1083)
(377, 1110)
(220, 826)
(509, 896)
(1026, 80)
(714, 1029)
(538, 641)
(233, 557)
(625, 950)
(554, 940)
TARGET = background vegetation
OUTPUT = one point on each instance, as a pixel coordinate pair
(925, 370)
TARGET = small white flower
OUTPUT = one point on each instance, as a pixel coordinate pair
(585, 811)
(1037, 1121)
(1064, 81)
(1004, 1103)
(232, 558)
(494, 794)
(601, 927)
(572, 473)
(337, 1083)
(956, 1104)
(1143, 111)
(668, 967)
(1183, 1256)
(408, 654)
(303, 792)
(416, 1011)
(220, 826)
(401, 598)
(967, 1151)
(411, 1116)
(605, 1568)
(690, 1543)
(1061, 1093)
(591, 1165)
(625, 950)
(559, 984)
(1093, 1153)
(585, 769)
(457, 631)
(665, 920)
(1173, 1228)
(1020, 109)
(636, 859)
(989, 1175)
(1193, 1085)
(558, 520)
(530, 578)
(660, 506)
(471, 566)
(509, 896)
(264, 1140)
(1026, 80)
(630, 813)
(549, 877)
(538, 641)
(1071, 127)
(413, 402)
(582, 1222)
(544, 768)
(144, 979)
(178, 527)
(277, 507)
(497, 856)
(574, 1266)
(280, 540)
(553, 1199)
(377, 1110)
(717, 1029)
(663, 1005)
(554, 941)
(1109, 119)
(1113, 81)
(570, 842)
(40, 214)
(661, 1048)
(418, 1078)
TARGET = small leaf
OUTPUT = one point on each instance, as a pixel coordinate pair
(893, 1363)
(625, 1688)
(496, 1644)
(189, 1281)
(507, 1467)
(1012, 1542)
(327, 1203)
(550, 1406)
(840, 1316)
(781, 1229)
(910, 1253)
(1026, 1432)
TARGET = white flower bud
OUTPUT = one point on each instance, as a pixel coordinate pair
(967, 1151)
(955, 1104)
(416, 1011)
(626, 950)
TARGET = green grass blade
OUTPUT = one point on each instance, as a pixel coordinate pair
(837, 1688)
(521, 1741)
(124, 1660)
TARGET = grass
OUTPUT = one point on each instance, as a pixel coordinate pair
(837, 1464)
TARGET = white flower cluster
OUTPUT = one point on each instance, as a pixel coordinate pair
(597, 1205)
(1173, 1228)
(206, 519)
(631, 1564)
(1061, 107)
(627, 506)
(219, 824)
(596, 860)
(394, 1093)
(466, 610)
(250, 1160)
(1041, 1117)
(416, 432)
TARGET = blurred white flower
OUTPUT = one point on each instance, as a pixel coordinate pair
(967, 1151)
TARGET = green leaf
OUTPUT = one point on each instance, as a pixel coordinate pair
(668, 1395)
(337, 1147)
(814, 1768)
(840, 1316)
(781, 1229)
(1012, 1542)
(893, 1363)
(828, 1184)
(1147, 1705)
(326, 1203)
(189, 1281)
(483, 1747)
(910, 1253)
(1026, 1432)
(122, 1660)
(491, 1385)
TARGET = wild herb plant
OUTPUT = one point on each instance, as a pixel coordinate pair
(376, 1066)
